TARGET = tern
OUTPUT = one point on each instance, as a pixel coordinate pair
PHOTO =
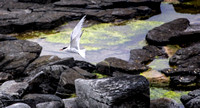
(75, 40)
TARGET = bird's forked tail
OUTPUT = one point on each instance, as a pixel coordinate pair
(82, 53)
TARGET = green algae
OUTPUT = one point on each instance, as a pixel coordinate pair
(156, 93)
(73, 95)
(100, 36)
(100, 75)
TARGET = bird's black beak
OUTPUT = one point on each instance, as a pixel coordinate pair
(63, 48)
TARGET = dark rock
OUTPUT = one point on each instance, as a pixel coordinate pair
(6, 37)
(18, 54)
(181, 71)
(5, 76)
(52, 104)
(141, 56)
(39, 1)
(70, 103)
(41, 61)
(18, 105)
(14, 89)
(34, 99)
(119, 92)
(85, 66)
(156, 50)
(182, 79)
(192, 100)
(45, 79)
(163, 34)
(66, 84)
(65, 61)
(188, 57)
(111, 65)
(164, 103)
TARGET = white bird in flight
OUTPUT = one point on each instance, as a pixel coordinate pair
(75, 40)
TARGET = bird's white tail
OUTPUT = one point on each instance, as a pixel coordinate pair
(82, 53)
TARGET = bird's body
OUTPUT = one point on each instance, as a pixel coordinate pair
(75, 40)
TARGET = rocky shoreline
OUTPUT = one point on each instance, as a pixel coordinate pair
(22, 15)
(29, 80)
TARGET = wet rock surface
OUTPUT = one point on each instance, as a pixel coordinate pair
(187, 65)
(173, 32)
(113, 92)
(164, 103)
(111, 65)
(19, 16)
(17, 54)
(192, 99)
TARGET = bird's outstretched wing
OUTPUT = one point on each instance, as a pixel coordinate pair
(76, 34)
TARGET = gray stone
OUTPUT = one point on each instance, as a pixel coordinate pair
(40, 61)
(35, 99)
(116, 92)
(14, 89)
(18, 54)
(52, 104)
(5, 76)
(18, 105)
(70, 103)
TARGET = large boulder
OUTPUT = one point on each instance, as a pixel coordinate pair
(120, 92)
(192, 100)
(112, 65)
(18, 54)
(18, 105)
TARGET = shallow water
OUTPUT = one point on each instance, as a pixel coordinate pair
(108, 40)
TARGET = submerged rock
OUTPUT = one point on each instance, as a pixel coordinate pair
(120, 92)
(111, 65)
(156, 79)
(192, 100)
